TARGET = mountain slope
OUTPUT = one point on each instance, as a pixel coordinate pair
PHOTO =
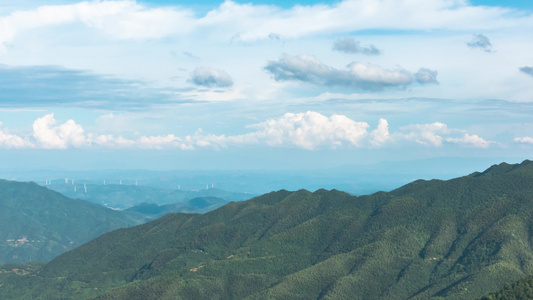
(520, 290)
(455, 239)
(39, 224)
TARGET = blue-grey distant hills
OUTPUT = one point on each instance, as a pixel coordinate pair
(122, 197)
(39, 224)
(457, 239)
(150, 211)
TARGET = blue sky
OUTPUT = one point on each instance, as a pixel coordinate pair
(264, 84)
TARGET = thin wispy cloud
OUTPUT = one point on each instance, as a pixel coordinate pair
(132, 20)
(39, 86)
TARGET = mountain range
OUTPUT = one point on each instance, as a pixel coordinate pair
(455, 239)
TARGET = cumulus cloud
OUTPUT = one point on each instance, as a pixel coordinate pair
(470, 140)
(308, 130)
(482, 42)
(524, 140)
(435, 134)
(209, 77)
(312, 130)
(306, 68)
(426, 134)
(381, 134)
(425, 76)
(50, 136)
(527, 70)
(11, 141)
(350, 45)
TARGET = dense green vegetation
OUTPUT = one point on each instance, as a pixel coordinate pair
(39, 224)
(455, 239)
(520, 290)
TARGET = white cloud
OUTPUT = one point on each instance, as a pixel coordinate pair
(524, 140)
(381, 134)
(470, 140)
(130, 20)
(425, 134)
(308, 130)
(376, 74)
(50, 136)
(435, 134)
(247, 22)
(11, 141)
(119, 19)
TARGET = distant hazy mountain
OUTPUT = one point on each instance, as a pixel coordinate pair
(125, 196)
(195, 205)
(39, 224)
(456, 239)
(359, 179)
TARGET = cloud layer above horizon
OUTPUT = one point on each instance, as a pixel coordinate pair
(309, 131)
(348, 75)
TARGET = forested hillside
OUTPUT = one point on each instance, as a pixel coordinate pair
(455, 239)
(39, 224)
(520, 290)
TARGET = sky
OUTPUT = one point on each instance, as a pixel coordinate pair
(263, 84)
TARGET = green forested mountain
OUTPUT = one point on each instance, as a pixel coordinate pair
(39, 224)
(455, 239)
(520, 290)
